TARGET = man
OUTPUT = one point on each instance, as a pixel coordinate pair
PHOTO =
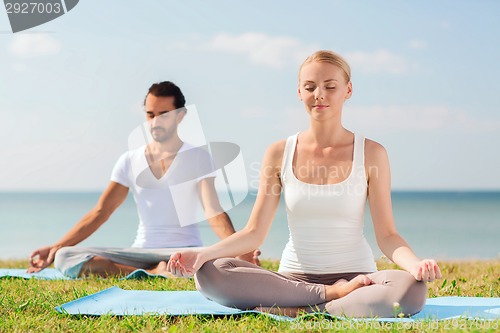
(143, 171)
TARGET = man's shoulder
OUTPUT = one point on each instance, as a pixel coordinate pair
(130, 159)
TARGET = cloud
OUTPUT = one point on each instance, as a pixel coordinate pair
(417, 44)
(31, 45)
(401, 117)
(377, 61)
(262, 49)
(280, 51)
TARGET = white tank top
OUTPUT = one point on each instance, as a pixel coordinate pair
(326, 221)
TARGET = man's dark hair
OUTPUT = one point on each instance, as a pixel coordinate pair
(167, 89)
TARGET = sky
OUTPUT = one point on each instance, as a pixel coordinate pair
(425, 77)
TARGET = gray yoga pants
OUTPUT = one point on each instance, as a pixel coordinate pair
(69, 260)
(236, 283)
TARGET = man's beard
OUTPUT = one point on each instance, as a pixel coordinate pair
(160, 134)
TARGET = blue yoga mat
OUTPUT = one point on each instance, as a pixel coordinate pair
(54, 274)
(116, 301)
(121, 302)
(46, 274)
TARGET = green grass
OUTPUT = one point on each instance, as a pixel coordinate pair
(28, 306)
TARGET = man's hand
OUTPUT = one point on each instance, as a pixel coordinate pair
(41, 258)
(251, 257)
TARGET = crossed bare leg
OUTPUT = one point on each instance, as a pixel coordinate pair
(337, 290)
(161, 269)
(104, 267)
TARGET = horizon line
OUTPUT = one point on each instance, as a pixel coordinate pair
(401, 190)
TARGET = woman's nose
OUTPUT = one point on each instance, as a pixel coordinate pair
(318, 93)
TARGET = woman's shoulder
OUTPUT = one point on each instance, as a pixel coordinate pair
(275, 151)
(375, 153)
(274, 154)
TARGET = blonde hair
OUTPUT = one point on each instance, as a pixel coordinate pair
(331, 58)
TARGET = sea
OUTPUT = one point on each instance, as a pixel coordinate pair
(440, 225)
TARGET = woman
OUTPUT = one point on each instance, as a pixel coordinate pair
(326, 174)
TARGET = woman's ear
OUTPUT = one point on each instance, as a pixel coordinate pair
(349, 91)
(298, 93)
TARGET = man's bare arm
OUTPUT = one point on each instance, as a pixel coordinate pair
(111, 198)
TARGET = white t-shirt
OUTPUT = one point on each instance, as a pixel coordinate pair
(167, 207)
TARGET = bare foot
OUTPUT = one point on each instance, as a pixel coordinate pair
(339, 289)
(340, 282)
(342, 287)
(160, 269)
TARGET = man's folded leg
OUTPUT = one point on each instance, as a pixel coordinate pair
(75, 261)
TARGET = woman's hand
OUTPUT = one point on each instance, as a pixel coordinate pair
(185, 264)
(251, 257)
(426, 270)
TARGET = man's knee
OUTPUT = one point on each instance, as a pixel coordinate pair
(69, 260)
(62, 256)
